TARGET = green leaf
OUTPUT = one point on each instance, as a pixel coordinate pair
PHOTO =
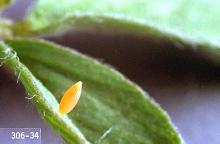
(111, 109)
(195, 20)
(44, 100)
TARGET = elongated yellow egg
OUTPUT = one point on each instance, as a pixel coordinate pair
(70, 98)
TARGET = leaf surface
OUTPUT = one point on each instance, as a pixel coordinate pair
(44, 100)
(195, 20)
(111, 109)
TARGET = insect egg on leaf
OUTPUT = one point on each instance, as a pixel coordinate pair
(70, 98)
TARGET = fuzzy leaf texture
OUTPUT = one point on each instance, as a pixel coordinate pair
(111, 109)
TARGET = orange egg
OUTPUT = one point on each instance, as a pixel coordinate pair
(70, 98)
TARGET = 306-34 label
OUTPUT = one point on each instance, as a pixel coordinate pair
(20, 135)
(23, 135)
